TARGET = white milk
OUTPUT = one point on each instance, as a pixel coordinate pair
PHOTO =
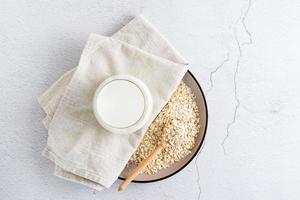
(120, 103)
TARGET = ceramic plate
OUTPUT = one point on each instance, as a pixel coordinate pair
(191, 81)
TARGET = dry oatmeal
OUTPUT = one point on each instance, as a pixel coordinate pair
(178, 124)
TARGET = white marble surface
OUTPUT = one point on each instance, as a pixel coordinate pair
(246, 56)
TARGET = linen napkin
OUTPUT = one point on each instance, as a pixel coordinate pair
(82, 150)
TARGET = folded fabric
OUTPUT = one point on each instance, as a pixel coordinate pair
(82, 150)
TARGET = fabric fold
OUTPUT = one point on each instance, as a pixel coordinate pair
(82, 150)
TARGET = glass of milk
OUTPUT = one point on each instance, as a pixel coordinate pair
(122, 104)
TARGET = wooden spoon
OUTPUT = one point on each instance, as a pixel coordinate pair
(139, 169)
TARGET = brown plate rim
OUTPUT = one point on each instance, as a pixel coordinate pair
(196, 152)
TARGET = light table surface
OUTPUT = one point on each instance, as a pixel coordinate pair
(245, 54)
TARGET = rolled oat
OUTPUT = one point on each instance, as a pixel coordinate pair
(178, 124)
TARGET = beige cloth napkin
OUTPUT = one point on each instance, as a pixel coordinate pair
(82, 150)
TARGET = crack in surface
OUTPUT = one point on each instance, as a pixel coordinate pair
(198, 174)
(215, 71)
(242, 19)
(244, 23)
(235, 93)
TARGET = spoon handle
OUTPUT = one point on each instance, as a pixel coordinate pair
(139, 169)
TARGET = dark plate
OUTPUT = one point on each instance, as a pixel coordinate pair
(191, 81)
